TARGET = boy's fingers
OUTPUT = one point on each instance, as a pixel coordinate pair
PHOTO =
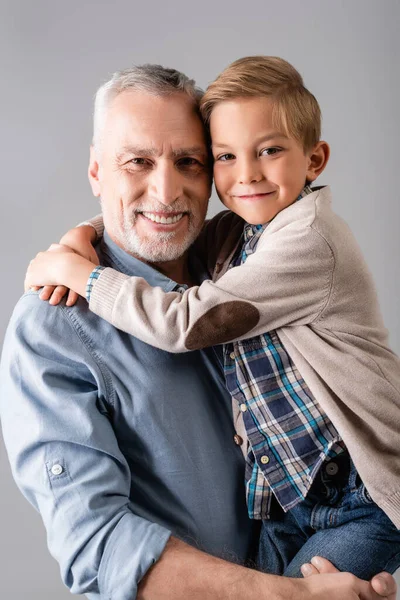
(46, 292)
(58, 295)
(72, 298)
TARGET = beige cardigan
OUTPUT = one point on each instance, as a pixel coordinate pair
(309, 282)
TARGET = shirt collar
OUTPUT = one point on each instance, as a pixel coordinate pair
(251, 230)
(115, 257)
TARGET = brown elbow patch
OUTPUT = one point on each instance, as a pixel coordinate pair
(222, 324)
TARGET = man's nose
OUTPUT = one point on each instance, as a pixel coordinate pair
(249, 172)
(165, 184)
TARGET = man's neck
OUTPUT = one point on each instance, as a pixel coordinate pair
(177, 270)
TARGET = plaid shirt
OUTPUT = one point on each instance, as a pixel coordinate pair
(289, 434)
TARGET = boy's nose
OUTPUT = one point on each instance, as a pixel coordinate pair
(249, 173)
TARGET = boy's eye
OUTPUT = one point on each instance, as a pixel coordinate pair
(225, 157)
(270, 151)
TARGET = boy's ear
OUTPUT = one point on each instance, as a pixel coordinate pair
(318, 158)
(93, 172)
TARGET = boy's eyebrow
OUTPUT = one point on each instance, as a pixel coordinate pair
(258, 140)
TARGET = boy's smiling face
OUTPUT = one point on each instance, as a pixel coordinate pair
(258, 169)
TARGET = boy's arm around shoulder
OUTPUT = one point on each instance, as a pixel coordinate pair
(287, 281)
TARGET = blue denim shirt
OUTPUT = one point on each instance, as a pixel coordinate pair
(117, 443)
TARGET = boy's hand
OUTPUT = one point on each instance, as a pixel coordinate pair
(59, 265)
(81, 240)
(54, 294)
(381, 586)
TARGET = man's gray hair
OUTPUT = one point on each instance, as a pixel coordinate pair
(153, 79)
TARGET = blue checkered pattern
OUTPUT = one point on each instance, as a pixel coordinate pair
(94, 275)
(290, 436)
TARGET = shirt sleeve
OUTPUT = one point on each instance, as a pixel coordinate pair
(97, 224)
(287, 281)
(65, 457)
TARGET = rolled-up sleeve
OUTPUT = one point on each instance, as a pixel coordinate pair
(65, 457)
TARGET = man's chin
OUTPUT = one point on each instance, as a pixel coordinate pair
(158, 251)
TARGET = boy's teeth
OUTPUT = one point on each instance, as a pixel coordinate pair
(163, 220)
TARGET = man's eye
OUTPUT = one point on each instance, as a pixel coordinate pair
(138, 161)
(188, 161)
(270, 151)
(225, 157)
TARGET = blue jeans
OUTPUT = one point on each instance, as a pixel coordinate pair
(338, 520)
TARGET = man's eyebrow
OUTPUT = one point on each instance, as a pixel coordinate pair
(190, 151)
(262, 138)
(178, 153)
(138, 150)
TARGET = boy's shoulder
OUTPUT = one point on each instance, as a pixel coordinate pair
(219, 237)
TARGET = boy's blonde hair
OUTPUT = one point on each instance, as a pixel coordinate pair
(295, 109)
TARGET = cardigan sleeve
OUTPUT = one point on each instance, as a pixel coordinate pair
(287, 281)
(97, 224)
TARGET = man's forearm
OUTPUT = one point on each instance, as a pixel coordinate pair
(184, 572)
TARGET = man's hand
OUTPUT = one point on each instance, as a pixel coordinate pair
(381, 586)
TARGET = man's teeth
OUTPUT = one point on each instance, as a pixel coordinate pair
(163, 220)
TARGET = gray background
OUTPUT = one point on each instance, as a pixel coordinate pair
(53, 57)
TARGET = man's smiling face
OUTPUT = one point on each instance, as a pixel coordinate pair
(152, 172)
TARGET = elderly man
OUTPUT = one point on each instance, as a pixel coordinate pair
(128, 452)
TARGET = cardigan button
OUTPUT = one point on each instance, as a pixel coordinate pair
(238, 439)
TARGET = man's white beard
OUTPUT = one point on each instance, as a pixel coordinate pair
(159, 247)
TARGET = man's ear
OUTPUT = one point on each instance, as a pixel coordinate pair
(93, 172)
(318, 158)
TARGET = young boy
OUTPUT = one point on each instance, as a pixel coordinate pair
(305, 349)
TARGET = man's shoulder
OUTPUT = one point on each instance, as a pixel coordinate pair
(51, 336)
(30, 307)
(37, 321)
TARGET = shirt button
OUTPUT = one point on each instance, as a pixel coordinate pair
(238, 439)
(232, 355)
(264, 459)
(332, 468)
(57, 469)
(243, 407)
